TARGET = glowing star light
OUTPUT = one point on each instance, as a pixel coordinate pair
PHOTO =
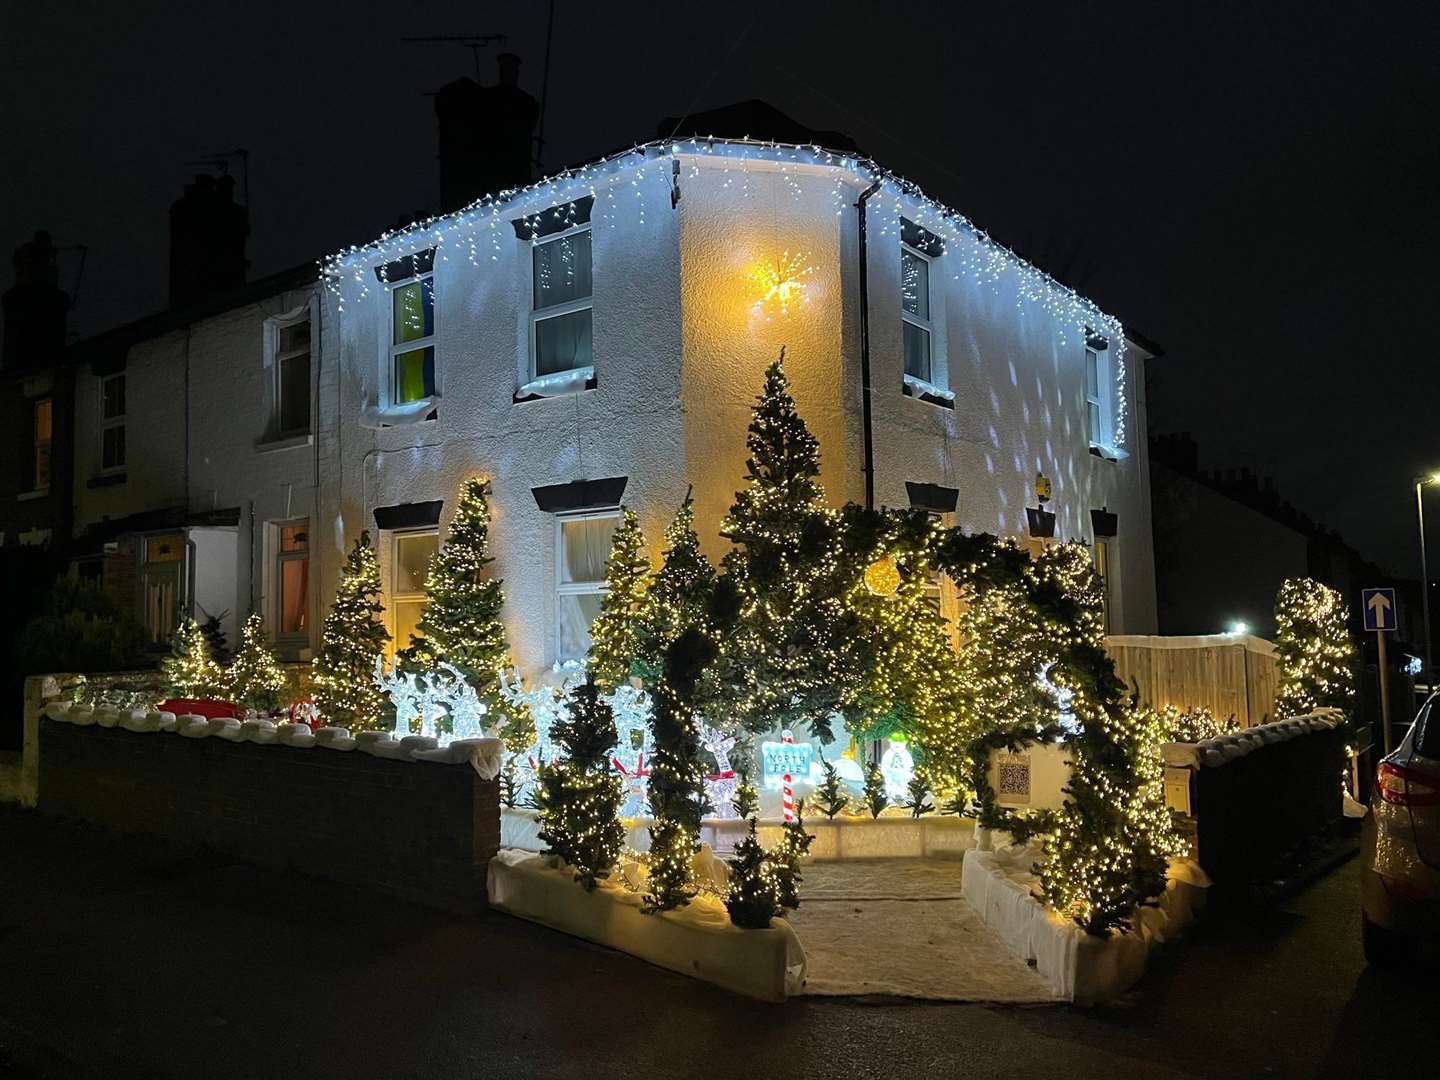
(780, 283)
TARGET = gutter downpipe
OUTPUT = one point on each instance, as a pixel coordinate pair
(865, 349)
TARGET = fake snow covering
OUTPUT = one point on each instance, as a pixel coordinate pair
(696, 940)
(1079, 967)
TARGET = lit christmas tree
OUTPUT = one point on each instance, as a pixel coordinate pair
(917, 794)
(746, 802)
(461, 622)
(580, 795)
(677, 776)
(783, 665)
(875, 797)
(344, 687)
(1316, 655)
(905, 670)
(614, 644)
(189, 671)
(831, 793)
(752, 897)
(784, 859)
(255, 678)
(680, 595)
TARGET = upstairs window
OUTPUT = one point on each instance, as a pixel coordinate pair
(560, 320)
(412, 339)
(42, 427)
(915, 313)
(292, 579)
(1096, 399)
(582, 547)
(292, 377)
(112, 423)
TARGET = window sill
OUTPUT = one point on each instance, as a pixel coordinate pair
(283, 442)
(29, 496)
(412, 412)
(559, 384)
(106, 480)
(1104, 453)
(935, 395)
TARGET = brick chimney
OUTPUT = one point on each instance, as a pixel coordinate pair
(208, 230)
(35, 308)
(486, 135)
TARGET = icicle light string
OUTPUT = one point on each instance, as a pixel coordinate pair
(976, 254)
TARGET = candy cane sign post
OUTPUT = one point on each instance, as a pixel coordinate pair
(788, 793)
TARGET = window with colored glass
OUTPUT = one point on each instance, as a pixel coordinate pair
(412, 348)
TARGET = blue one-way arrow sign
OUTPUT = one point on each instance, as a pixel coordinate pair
(1379, 608)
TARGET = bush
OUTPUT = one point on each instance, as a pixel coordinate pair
(81, 629)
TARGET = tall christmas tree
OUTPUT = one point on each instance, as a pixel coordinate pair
(255, 678)
(1317, 657)
(682, 592)
(785, 660)
(614, 633)
(189, 671)
(461, 623)
(580, 795)
(345, 692)
(676, 775)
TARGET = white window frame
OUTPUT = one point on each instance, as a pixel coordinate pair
(1103, 399)
(574, 588)
(926, 324)
(273, 327)
(569, 307)
(428, 341)
(279, 558)
(107, 423)
(397, 595)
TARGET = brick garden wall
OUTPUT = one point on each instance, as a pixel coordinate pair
(418, 830)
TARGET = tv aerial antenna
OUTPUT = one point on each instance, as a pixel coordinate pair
(473, 42)
(221, 160)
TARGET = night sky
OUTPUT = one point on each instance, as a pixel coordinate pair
(1252, 185)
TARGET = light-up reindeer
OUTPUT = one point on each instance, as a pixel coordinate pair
(719, 785)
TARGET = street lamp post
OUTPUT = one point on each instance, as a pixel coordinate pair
(1420, 483)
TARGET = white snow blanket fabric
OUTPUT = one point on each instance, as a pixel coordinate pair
(484, 755)
(697, 940)
(848, 919)
(335, 738)
(1079, 967)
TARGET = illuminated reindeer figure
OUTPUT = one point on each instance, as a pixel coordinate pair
(719, 785)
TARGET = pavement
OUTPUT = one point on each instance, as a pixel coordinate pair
(124, 958)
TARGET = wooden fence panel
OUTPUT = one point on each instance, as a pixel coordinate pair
(1231, 675)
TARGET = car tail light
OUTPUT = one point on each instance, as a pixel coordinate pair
(1406, 787)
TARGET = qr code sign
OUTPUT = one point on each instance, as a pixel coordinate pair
(1012, 776)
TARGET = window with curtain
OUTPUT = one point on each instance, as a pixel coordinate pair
(112, 423)
(915, 313)
(411, 553)
(292, 580)
(560, 322)
(292, 378)
(42, 426)
(412, 339)
(582, 547)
